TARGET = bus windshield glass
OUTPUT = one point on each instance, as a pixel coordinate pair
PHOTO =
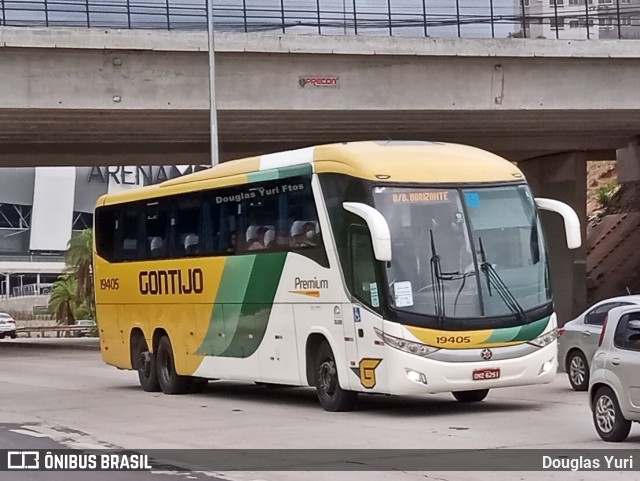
(464, 253)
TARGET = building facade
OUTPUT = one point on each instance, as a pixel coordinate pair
(41, 208)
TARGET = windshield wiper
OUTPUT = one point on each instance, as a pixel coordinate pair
(501, 288)
(436, 279)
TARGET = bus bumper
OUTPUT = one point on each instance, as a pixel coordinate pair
(410, 374)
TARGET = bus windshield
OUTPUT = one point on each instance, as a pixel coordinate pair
(464, 253)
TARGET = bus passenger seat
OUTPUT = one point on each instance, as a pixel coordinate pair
(269, 238)
(191, 244)
(156, 247)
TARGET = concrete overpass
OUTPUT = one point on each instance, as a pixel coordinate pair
(90, 96)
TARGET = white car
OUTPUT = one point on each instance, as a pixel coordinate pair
(578, 339)
(614, 389)
(7, 326)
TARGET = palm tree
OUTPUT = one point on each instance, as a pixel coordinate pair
(64, 299)
(79, 260)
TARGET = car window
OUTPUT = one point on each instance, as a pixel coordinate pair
(597, 315)
(4, 315)
(627, 335)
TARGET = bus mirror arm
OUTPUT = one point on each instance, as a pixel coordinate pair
(377, 224)
(571, 221)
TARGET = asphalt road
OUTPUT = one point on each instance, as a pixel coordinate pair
(72, 399)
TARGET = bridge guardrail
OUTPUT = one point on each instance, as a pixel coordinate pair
(562, 19)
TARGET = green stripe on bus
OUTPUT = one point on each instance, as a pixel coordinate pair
(256, 308)
(520, 333)
(226, 306)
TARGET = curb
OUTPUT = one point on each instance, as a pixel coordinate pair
(50, 344)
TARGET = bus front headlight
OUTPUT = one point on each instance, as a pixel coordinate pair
(545, 339)
(410, 347)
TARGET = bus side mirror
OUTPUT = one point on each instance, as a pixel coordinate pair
(571, 221)
(377, 224)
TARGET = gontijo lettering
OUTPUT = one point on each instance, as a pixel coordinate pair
(171, 282)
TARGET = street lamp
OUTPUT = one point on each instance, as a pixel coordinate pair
(213, 112)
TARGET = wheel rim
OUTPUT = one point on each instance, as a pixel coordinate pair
(577, 370)
(165, 368)
(328, 377)
(605, 414)
(145, 364)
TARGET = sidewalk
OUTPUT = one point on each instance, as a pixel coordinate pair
(72, 343)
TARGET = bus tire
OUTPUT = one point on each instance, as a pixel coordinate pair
(146, 367)
(331, 396)
(170, 381)
(470, 396)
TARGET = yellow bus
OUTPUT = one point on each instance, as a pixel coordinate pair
(367, 267)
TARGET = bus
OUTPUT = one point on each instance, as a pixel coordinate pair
(367, 267)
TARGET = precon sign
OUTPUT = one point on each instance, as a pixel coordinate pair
(318, 81)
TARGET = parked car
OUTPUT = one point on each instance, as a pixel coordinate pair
(578, 339)
(7, 326)
(90, 327)
(614, 389)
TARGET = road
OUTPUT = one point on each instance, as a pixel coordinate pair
(72, 398)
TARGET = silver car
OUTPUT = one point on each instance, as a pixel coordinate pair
(7, 326)
(614, 390)
(578, 339)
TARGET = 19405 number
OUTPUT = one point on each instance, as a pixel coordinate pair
(453, 339)
(112, 284)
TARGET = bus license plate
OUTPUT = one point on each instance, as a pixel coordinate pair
(483, 374)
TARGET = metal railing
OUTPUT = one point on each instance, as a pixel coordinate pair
(563, 19)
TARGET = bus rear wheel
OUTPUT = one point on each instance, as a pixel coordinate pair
(170, 381)
(331, 396)
(146, 367)
(470, 396)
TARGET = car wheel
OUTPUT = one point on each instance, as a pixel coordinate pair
(331, 396)
(147, 369)
(14, 335)
(470, 396)
(607, 417)
(170, 381)
(1, 336)
(578, 371)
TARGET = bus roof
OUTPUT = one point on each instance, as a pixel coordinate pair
(391, 161)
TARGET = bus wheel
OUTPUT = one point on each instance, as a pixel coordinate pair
(331, 396)
(147, 371)
(170, 381)
(471, 396)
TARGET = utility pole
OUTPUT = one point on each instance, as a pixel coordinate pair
(213, 112)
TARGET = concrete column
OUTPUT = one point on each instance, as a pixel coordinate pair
(628, 162)
(563, 177)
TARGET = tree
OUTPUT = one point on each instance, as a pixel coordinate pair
(64, 299)
(79, 260)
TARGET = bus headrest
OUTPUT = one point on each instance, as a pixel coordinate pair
(269, 237)
(297, 228)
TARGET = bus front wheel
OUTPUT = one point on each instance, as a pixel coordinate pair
(470, 396)
(170, 381)
(331, 396)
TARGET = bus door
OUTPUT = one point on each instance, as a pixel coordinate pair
(364, 349)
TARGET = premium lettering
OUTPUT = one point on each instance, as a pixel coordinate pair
(311, 283)
(171, 282)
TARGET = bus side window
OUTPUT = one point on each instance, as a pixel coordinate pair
(186, 224)
(156, 230)
(363, 268)
(128, 234)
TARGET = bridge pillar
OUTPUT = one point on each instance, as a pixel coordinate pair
(563, 177)
(628, 162)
